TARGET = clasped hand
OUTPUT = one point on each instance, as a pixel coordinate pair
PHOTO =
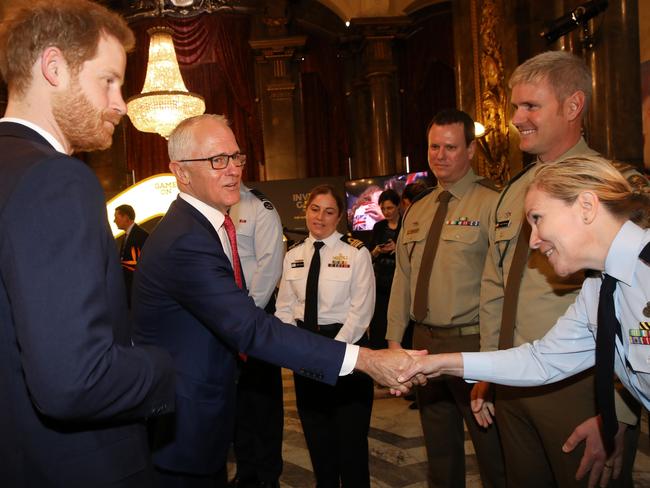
(385, 366)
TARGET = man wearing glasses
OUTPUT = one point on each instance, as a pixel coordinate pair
(190, 298)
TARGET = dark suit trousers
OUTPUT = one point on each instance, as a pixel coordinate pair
(336, 421)
(535, 422)
(259, 421)
(444, 404)
(169, 479)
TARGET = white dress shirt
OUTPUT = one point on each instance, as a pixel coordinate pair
(346, 286)
(569, 347)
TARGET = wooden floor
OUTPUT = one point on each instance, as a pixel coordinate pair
(397, 454)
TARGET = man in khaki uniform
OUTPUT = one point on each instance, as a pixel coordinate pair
(447, 320)
(550, 93)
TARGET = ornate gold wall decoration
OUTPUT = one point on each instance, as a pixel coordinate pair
(492, 99)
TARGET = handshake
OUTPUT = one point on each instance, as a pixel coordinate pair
(402, 369)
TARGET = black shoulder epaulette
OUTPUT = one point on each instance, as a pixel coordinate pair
(488, 183)
(348, 239)
(645, 254)
(296, 244)
(262, 197)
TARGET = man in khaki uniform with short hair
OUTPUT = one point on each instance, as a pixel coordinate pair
(446, 313)
(550, 93)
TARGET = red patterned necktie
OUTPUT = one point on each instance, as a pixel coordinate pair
(232, 237)
(236, 265)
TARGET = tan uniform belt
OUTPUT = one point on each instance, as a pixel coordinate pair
(452, 330)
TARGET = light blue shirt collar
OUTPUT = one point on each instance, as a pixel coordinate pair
(624, 253)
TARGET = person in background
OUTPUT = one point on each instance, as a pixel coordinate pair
(74, 391)
(259, 419)
(542, 428)
(440, 254)
(328, 288)
(131, 245)
(410, 193)
(584, 215)
(382, 243)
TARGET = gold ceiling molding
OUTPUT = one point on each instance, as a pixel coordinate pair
(490, 86)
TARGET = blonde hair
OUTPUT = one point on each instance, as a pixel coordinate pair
(73, 26)
(566, 73)
(565, 180)
(181, 139)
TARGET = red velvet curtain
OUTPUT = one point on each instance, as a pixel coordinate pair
(216, 62)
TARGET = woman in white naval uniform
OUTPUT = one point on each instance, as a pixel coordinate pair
(335, 419)
(583, 215)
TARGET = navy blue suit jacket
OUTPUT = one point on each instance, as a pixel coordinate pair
(71, 384)
(185, 299)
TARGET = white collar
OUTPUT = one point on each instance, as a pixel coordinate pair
(624, 252)
(329, 241)
(214, 216)
(46, 135)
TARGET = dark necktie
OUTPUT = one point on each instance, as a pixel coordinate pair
(513, 285)
(232, 237)
(123, 246)
(310, 318)
(608, 327)
(421, 299)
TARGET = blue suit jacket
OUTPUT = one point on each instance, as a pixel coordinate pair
(71, 384)
(185, 299)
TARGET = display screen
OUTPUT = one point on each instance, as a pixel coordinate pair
(362, 197)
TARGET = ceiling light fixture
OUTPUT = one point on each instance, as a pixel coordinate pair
(165, 100)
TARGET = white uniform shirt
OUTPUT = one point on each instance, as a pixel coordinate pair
(569, 347)
(346, 286)
(259, 242)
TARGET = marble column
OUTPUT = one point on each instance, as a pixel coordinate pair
(379, 76)
(278, 95)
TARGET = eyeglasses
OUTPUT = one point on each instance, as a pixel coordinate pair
(220, 161)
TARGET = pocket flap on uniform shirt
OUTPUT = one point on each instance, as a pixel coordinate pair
(458, 233)
(334, 273)
(296, 273)
(414, 234)
(639, 356)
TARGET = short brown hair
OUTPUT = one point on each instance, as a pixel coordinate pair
(126, 210)
(565, 72)
(565, 180)
(74, 26)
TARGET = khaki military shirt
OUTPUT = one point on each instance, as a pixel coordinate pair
(543, 296)
(456, 274)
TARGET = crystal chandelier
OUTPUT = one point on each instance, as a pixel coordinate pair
(164, 101)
